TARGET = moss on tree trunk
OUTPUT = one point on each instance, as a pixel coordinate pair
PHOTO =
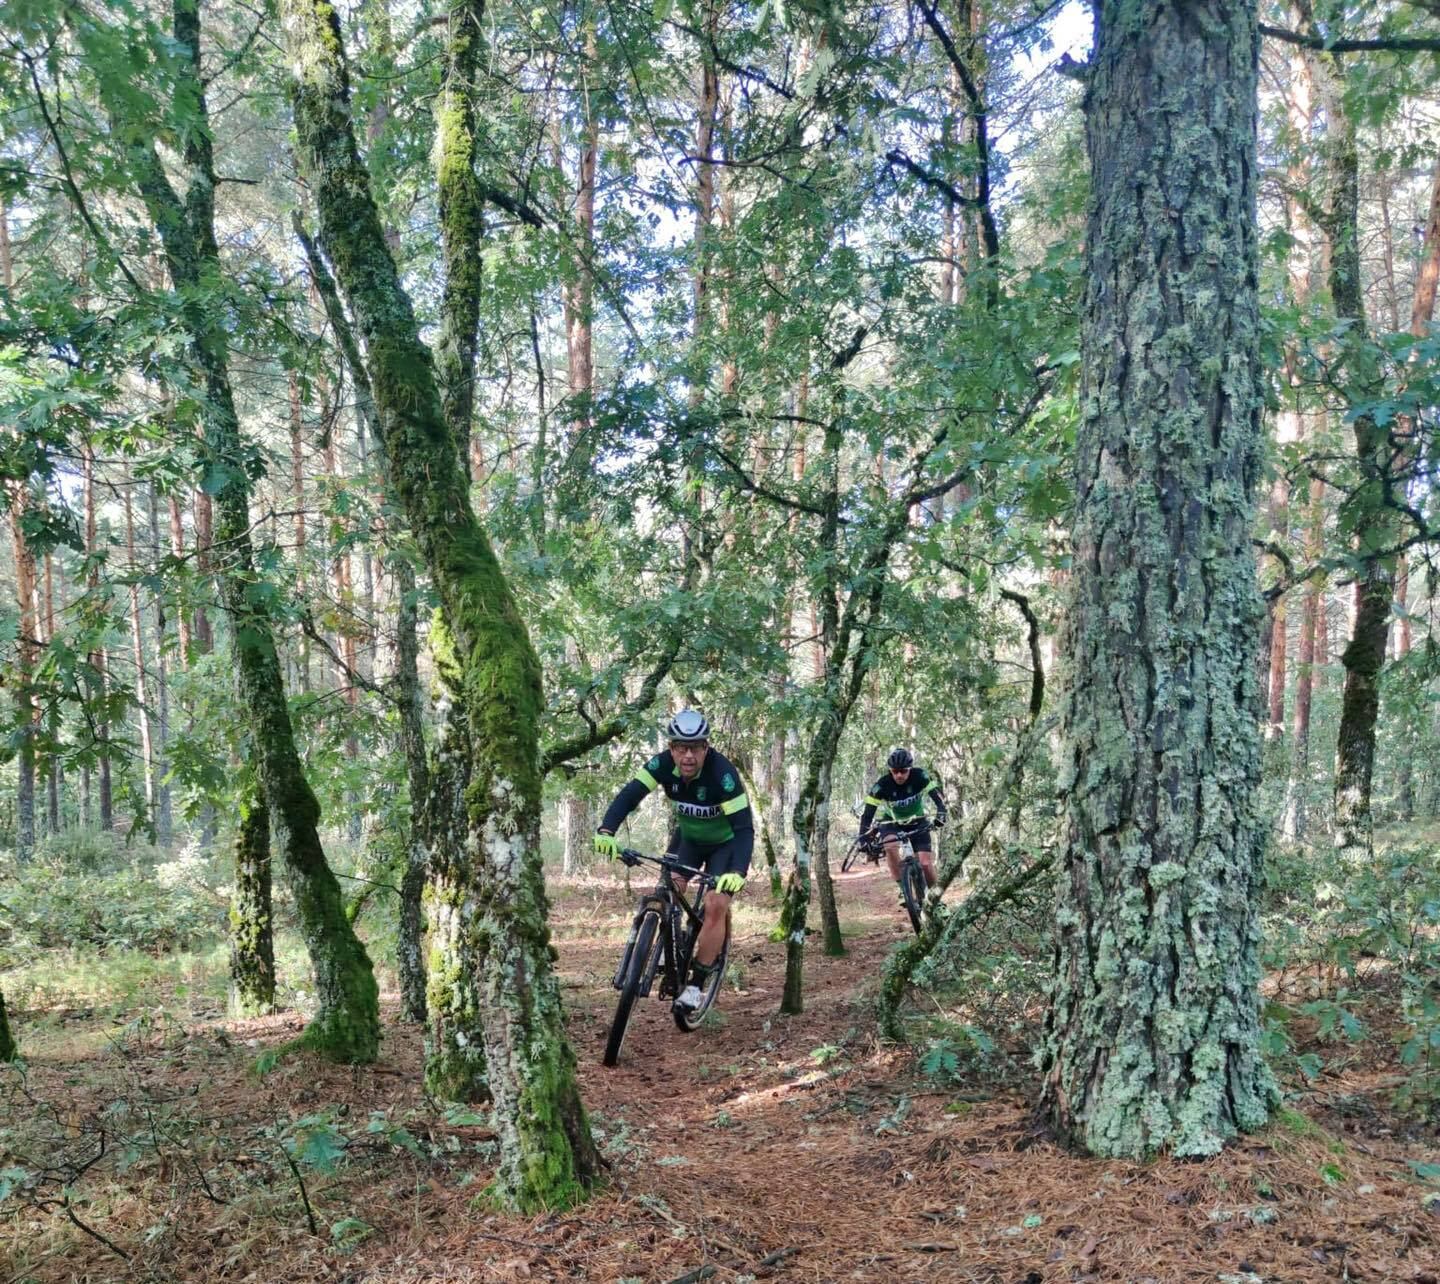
(490, 671)
(252, 938)
(1153, 1038)
(347, 1021)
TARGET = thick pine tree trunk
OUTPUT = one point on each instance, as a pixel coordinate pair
(1153, 1038)
(347, 1022)
(252, 938)
(489, 669)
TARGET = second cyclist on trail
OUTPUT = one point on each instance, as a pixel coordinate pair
(899, 795)
(713, 828)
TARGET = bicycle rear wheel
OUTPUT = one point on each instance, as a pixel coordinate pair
(631, 985)
(912, 888)
(688, 1019)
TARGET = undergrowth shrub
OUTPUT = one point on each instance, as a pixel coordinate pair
(93, 897)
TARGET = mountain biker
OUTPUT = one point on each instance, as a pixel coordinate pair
(713, 829)
(900, 795)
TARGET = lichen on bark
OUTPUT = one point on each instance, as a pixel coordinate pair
(1153, 1039)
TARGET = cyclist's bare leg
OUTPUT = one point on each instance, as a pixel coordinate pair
(927, 863)
(892, 858)
(712, 931)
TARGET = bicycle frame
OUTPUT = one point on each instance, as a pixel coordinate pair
(676, 913)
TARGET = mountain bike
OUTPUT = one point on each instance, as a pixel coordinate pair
(912, 875)
(662, 942)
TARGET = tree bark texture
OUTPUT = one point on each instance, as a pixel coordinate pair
(346, 1026)
(252, 936)
(461, 226)
(1152, 1041)
(489, 670)
(9, 1051)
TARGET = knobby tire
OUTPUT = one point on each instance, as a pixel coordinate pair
(631, 986)
(912, 888)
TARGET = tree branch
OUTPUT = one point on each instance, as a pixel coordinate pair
(1382, 44)
(606, 731)
(1037, 678)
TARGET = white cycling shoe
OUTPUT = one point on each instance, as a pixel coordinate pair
(690, 997)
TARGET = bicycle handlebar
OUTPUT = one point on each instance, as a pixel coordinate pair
(632, 857)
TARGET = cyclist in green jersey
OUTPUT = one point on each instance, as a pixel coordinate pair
(899, 795)
(713, 828)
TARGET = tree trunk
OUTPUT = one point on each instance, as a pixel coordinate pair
(9, 1051)
(1422, 309)
(27, 710)
(1152, 1041)
(1295, 823)
(137, 653)
(410, 948)
(346, 1025)
(252, 939)
(496, 909)
(177, 551)
(1372, 523)
(97, 681)
(204, 635)
(164, 818)
(461, 225)
(53, 774)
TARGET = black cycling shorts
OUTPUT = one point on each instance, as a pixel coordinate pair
(730, 857)
(919, 835)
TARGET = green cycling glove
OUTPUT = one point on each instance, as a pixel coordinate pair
(607, 845)
(730, 883)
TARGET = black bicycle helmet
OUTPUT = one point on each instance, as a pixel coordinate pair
(900, 760)
(688, 726)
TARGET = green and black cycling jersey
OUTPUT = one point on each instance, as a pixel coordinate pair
(901, 802)
(710, 810)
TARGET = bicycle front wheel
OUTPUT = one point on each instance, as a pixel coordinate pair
(852, 854)
(689, 1019)
(631, 985)
(912, 888)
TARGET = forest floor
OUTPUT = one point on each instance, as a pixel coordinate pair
(759, 1148)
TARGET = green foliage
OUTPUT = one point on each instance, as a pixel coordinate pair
(149, 903)
(1379, 929)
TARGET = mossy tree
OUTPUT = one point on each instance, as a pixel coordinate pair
(491, 677)
(455, 1064)
(346, 1025)
(1153, 1038)
(252, 935)
(9, 1051)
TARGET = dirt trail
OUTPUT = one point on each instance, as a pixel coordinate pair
(760, 1147)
